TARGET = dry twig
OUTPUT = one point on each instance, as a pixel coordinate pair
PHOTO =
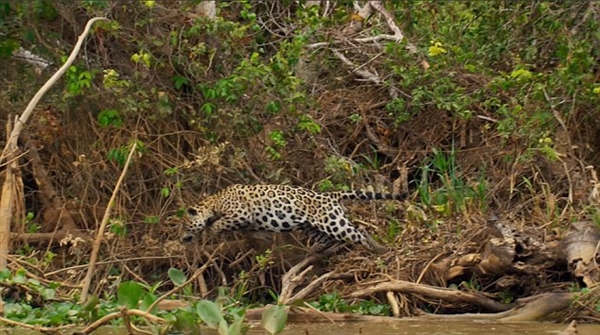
(100, 234)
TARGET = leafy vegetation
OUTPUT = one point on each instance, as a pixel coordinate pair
(332, 302)
(36, 303)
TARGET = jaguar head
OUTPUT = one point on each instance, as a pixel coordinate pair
(195, 220)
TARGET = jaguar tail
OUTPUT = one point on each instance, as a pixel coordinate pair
(365, 195)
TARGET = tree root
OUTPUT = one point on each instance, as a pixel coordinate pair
(535, 308)
(125, 314)
(296, 277)
(55, 209)
(421, 290)
(570, 330)
(305, 314)
(45, 330)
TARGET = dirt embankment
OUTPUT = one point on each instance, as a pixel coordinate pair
(496, 150)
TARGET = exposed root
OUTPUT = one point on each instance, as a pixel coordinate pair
(580, 307)
(297, 276)
(421, 290)
(45, 330)
(305, 314)
(536, 308)
(125, 314)
(571, 329)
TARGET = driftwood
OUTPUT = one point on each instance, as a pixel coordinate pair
(297, 276)
(506, 252)
(571, 329)
(509, 254)
(537, 308)
(513, 252)
(530, 312)
(581, 247)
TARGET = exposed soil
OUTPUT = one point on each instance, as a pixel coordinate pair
(522, 251)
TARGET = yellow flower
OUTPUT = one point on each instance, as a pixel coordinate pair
(436, 49)
(149, 3)
(521, 74)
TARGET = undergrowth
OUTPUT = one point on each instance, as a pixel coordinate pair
(495, 112)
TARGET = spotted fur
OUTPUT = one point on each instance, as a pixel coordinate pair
(280, 208)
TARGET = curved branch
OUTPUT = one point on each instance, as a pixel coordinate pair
(14, 136)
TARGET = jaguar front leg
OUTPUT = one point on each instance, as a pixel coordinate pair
(227, 223)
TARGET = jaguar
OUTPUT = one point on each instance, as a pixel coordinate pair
(281, 208)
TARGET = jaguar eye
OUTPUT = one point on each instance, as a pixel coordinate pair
(192, 211)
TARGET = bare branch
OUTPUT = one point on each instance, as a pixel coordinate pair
(362, 13)
(362, 73)
(100, 234)
(372, 77)
(389, 19)
(31, 58)
(36, 98)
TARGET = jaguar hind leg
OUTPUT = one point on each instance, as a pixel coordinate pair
(319, 241)
(344, 231)
(369, 242)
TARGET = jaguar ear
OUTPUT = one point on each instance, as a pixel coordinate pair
(192, 211)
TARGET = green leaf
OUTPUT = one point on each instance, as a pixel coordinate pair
(185, 322)
(224, 328)
(19, 278)
(147, 301)
(7, 47)
(109, 117)
(237, 327)
(5, 274)
(91, 303)
(129, 294)
(273, 107)
(521, 74)
(208, 108)
(274, 318)
(179, 81)
(210, 313)
(48, 294)
(177, 276)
